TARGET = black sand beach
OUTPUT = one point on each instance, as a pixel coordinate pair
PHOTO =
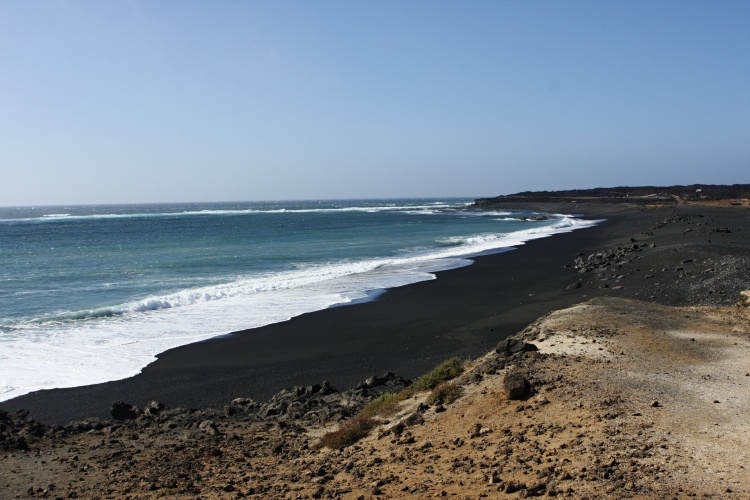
(407, 330)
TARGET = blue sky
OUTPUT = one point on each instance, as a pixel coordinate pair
(148, 101)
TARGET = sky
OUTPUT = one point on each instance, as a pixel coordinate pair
(176, 101)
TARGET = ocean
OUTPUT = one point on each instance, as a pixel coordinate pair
(91, 294)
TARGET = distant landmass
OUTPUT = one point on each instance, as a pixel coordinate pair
(625, 194)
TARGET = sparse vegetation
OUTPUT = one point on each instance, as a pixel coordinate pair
(349, 433)
(445, 393)
(447, 370)
(385, 404)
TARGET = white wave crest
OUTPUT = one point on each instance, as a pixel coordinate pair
(411, 209)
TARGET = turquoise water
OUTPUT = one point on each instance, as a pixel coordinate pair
(93, 293)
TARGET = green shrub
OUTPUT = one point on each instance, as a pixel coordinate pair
(445, 393)
(447, 370)
(349, 433)
(387, 404)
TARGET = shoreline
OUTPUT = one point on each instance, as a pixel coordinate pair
(259, 362)
(463, 312)
(119, 337)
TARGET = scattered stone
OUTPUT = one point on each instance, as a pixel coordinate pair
(209, 427)
(243, 402)
(413, 419)
(513, 486)
(153, 408)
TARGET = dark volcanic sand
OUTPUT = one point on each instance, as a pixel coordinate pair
(409, 329)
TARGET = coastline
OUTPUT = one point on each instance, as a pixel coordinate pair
(111, 323)
(406, 330)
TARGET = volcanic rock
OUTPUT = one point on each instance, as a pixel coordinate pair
(511, 346)
(123, 411)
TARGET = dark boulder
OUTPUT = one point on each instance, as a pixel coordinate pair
(511, 346)
(516, 385)
(123, 411)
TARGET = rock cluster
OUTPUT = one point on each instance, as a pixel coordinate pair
(17, 430)
(688, 218)
(306, 405)
(697, 261)
(322, 403)
(184, 441)
(607, 259)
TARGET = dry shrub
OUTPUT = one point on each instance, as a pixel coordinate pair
(360, 425)
(444, 393)
(349, 433)
(385, 404)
